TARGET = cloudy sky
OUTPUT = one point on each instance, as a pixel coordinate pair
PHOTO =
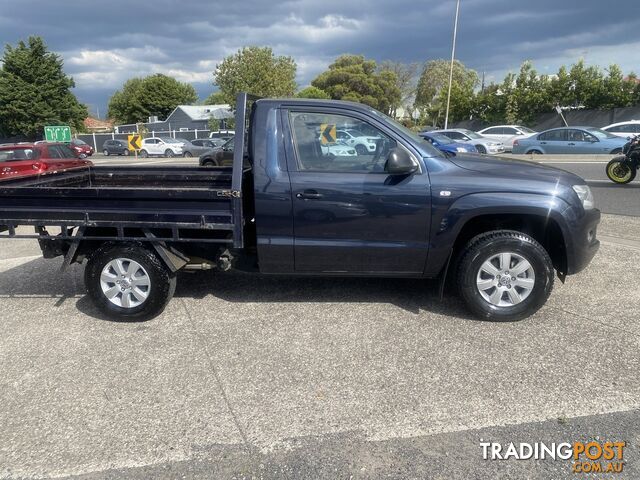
(105, 42)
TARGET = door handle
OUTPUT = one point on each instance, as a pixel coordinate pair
(570, 143)
(543, 143)
(309, 195)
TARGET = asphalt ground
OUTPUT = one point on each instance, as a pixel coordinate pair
(264, 377)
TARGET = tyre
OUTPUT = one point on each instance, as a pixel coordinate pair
(210, 163)
(504, 276)
(187, 155)
(620, 171)
(361, 150)
(128, 282)
(126, 152)
(169, 153)
(481, 149)
(144, 153)
(534, 152)
(82, 156)
(616, 151)
(105, 152)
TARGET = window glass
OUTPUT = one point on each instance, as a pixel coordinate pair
(17, 154)
(53, 152)
(553, 136)
(600, 133)
(509, 131)
(315, 137)
(493, 131)
(65, 152)
(455, 135)
(577, 136)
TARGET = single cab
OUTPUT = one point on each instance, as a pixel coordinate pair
(497, 229)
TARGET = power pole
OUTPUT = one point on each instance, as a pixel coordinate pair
(453, 55)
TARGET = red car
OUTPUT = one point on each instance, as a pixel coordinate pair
(82, 149)
(30, 159)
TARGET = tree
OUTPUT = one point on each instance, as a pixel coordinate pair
(155, 95)
(530, 95)
(617, 90)
(431, 93)
(35, 91)
(354, 78)
(258, 71)
(313, 92)
(406, 74)
(216, 98)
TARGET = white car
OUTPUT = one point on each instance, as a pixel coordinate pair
(339, 150)
(626, 129)
(167, 147)
(507, 134)
(483, 144)
(364, 144)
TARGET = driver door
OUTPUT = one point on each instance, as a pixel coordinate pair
(349, 215)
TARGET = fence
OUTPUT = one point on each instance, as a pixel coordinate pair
(586, 118)
(96, 140)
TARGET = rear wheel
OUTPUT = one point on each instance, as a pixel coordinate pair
(209, 163)
(481, 149)
(534, 152)
(619, 171)
(127, 282)
(504, 275)
(105, 152)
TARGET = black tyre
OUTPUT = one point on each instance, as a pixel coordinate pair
(534, 152)
(210, 163)
(144, 153)
(128, 282)
(504, 275)
(187, 155)
(481, 149)
(126, 152)
(619, 171)
(169, 153)
(105, 152)
(361, 150)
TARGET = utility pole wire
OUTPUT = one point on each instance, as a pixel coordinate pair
(453, 55)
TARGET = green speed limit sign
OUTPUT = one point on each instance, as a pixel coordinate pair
(57, 133)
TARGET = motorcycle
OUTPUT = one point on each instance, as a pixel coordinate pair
(623, 169)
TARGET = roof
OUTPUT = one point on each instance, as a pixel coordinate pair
(205, 112)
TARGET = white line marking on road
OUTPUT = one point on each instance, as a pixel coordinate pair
(556, 162)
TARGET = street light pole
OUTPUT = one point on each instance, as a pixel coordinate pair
(453, 55)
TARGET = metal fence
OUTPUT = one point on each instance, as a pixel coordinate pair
(96, 140)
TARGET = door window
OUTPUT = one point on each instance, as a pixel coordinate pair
(320, 148)
(553, 136)
(493, 131)
(510, 131)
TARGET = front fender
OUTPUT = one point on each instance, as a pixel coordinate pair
(449, 219)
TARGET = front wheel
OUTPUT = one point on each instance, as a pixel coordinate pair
(504, 275)
(105, 152)
(144, 154)
(481, 149)
(361, 150)
(187, 155)
(128, 282)
(169, 153)
(619, 171)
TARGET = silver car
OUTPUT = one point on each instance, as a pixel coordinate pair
(507, 134)
(482, 144)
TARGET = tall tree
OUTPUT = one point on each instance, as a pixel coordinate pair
(155, 95)
(35, 91)
(431, 93)
(258, 71)
(406, 79)
(216, 98)
(354, 78)
(313, 92)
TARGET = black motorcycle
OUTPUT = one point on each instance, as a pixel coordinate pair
(623, 169)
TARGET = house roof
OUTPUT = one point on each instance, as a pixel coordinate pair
(205, 112)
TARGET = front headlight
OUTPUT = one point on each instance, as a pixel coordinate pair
(461, 149)
(585, 195)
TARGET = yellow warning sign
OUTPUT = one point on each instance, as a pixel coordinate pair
(328, 133)
(134, 142)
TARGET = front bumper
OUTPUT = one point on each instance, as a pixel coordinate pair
(585, 243)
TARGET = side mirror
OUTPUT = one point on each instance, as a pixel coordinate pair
(399, 162)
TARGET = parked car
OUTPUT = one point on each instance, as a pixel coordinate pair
(507, 134)
(568, 140)
(497, 229)
(364, 144)
(338, 149)
(115, 147)
(482, 144)
(31, 159)
(208, 142)
(82, 149)
(624, 129)
(221, 156)
(190, 149)
(222, 134)
(445, 144)
(168, 147)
